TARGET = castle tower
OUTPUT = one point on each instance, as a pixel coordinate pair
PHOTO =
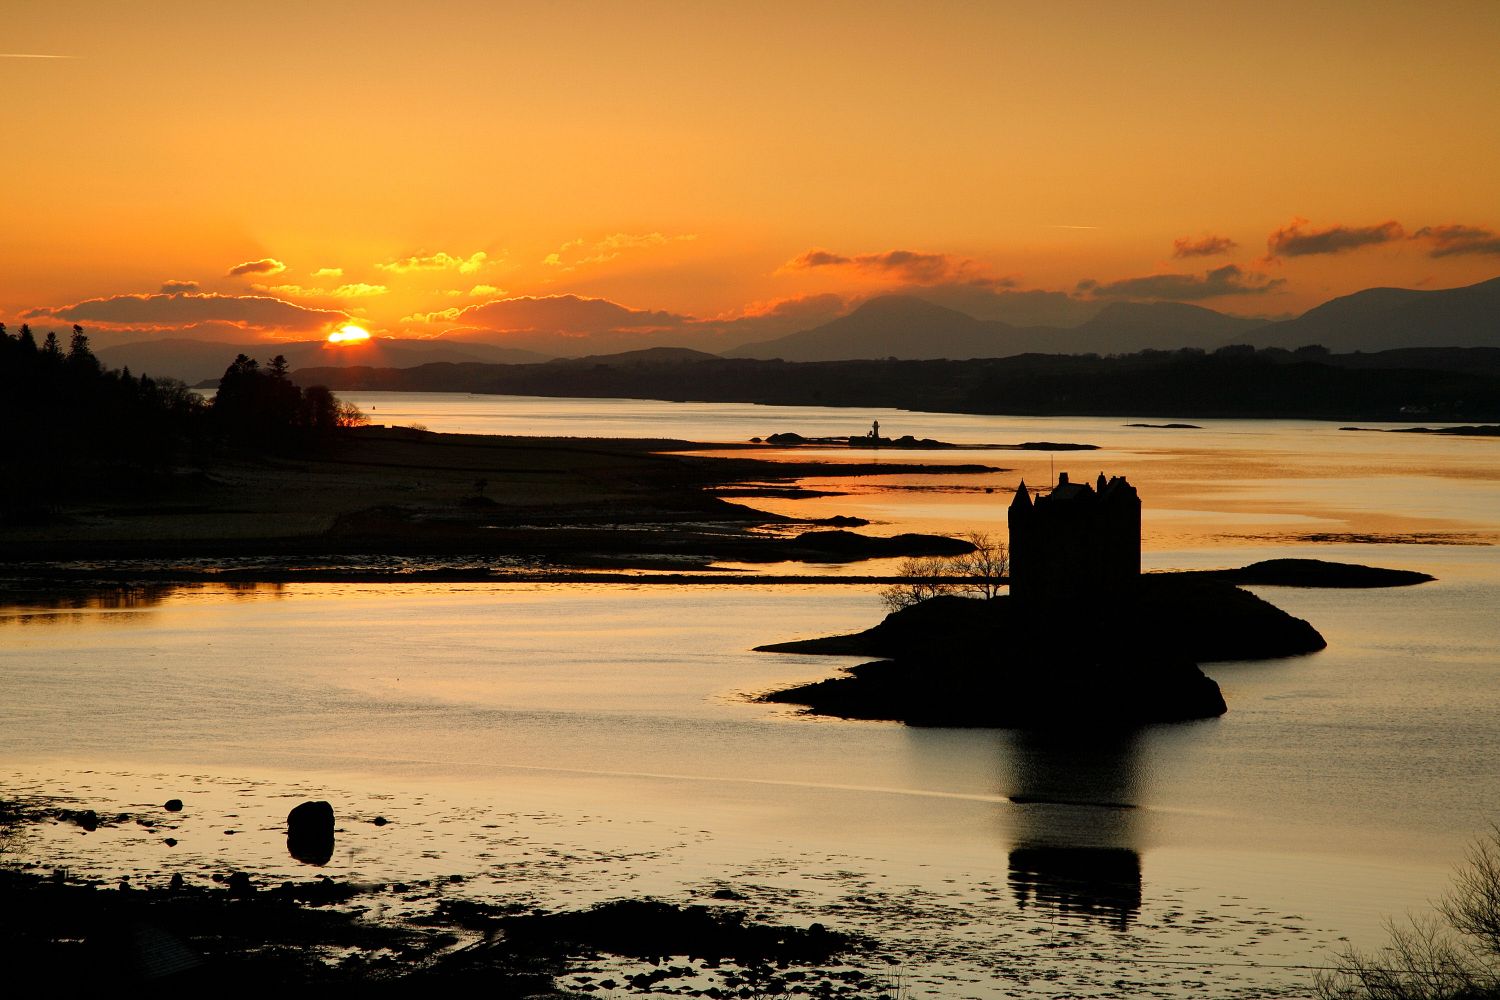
(1075, 546)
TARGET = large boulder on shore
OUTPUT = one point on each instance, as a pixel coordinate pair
(309, 833)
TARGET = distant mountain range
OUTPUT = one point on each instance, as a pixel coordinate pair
(1376, 319)
(195, 361)
(910, 328)
(905, 327)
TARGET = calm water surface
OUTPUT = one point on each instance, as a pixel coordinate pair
(572, 743)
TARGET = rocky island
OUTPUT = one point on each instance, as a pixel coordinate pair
(1083, 639)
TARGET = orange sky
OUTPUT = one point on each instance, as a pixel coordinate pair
(698, 162)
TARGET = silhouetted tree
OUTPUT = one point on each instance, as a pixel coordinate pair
(980, 573)
(987, 568)
(259, 407)
(80, 424)
(922, 578)
(1453, 957)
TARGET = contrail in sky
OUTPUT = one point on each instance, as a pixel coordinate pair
(32, 55)
(1072, 227)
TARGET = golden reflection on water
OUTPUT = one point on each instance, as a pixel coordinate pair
(124, 603)
(1317, 486)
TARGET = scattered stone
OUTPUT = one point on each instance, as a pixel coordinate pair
(177, 882)
(380, 821)
(87, 819)
(170, 841)
(173, 805)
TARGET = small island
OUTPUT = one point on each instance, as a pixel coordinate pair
(873, 440)
(1083, 638)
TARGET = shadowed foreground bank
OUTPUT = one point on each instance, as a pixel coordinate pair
(312, 933)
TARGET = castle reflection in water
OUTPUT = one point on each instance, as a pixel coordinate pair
(1076, 835)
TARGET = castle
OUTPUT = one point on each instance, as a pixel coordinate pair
(1076, 546)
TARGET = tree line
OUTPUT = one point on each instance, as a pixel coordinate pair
(81, 429)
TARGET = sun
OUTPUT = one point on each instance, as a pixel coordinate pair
(349, 334)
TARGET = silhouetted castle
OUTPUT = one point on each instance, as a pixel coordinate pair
(1077, 545)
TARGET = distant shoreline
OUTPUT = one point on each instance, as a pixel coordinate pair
(1442, 384)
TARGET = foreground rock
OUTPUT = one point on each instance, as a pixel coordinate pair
(309, 833)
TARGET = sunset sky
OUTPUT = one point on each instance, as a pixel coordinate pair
(732, 172)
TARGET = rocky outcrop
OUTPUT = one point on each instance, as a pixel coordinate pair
(956, 661)
(1088, 693)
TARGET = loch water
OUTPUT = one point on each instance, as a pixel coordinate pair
(569, 743)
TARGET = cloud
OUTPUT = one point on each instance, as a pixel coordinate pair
(328, 272)
(1452, 241)
(179, 285)
(609, 248)
(909, 266)
(1294, 241)
(800, 308)
(449, 315)
(571, 315)
(358, 289)
(483, 291)
(1226, 280)
(1206, 246)
(439, 261)
(161, 312)
(266, 265)
(554, 259)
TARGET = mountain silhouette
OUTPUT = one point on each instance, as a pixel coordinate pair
(1379, 319)
(1124, 327)
(902, 326)
(909, 327)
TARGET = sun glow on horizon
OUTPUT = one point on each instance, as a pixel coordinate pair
(349, 334)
